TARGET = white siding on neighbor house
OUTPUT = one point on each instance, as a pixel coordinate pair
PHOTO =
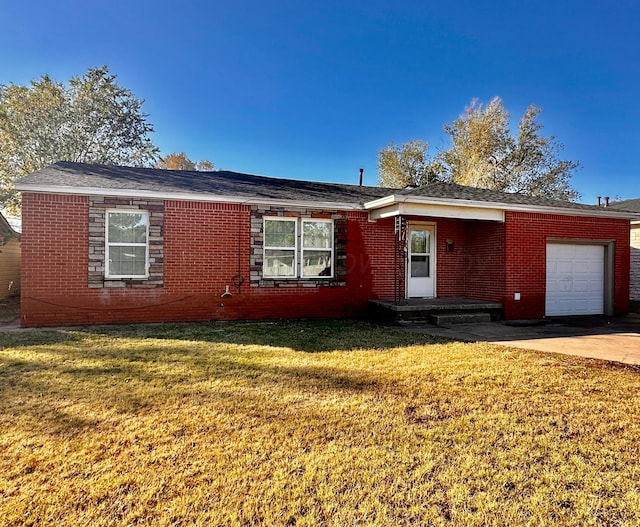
(634, 286)
(9, 268)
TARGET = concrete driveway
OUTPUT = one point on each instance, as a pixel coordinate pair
(607, 338)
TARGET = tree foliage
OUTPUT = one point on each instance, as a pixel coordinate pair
(485, 153)
(180, 161)
(480, 137)
(90, 120)
(405, 165)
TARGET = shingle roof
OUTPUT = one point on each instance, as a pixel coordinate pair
(631, 205)
(460, 192)
(77, 177)
(221, 182)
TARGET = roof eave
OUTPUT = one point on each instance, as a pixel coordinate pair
(426, 200)
(184, 196)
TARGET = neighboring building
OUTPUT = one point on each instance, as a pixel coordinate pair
(9, 259)
(106, 244)
(633, 205)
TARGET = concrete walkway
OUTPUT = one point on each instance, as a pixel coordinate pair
(607, 338)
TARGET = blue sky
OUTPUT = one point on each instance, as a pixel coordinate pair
(314, 89)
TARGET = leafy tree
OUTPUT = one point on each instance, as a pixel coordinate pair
(480, 139)
(92, 120)
(534, 164)
(484, 153)
(180, 161)
(406, 165)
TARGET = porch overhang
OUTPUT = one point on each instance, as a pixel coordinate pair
(401, 206)
(412, 205)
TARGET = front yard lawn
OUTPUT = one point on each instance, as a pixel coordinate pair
(310, 423)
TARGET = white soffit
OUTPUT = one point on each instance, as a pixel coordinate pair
(466, 209)
(437, 210)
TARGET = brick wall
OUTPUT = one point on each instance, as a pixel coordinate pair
(450, 263)
(635, 263)
(473, 265)
(206, 248)
(484, 274)
(525, 257)
(492, 260)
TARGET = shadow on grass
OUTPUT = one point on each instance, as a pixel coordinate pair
(35, 337)
(131, 369)
(305, 336)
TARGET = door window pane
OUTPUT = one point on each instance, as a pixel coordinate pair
(419, 266)
(420, 242)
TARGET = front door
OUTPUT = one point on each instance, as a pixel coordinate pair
(421, 264)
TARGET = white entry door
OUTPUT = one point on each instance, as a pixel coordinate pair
(421, 264)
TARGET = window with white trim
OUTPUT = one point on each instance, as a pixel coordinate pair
(127, 247)
(317, 248)
(286, 256)
(280, 247)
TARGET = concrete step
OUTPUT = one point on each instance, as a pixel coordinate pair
(460, 318)
(422, 310)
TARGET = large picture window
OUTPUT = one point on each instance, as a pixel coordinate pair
(127, 246)
(286, 256)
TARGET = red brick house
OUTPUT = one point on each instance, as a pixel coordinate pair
(106, 244)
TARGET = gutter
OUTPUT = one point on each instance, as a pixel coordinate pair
(184, 196)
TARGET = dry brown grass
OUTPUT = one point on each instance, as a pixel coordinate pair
(327, 423)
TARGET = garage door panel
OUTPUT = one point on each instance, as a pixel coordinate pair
(582, 267)
(589, 252)
(564, 251)
(575, 279)
(564, 266)
(596, 267)
(581, 286)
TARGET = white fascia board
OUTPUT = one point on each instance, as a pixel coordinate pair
(383, 202)
(461, 203)
(186, 196)
(437, 211)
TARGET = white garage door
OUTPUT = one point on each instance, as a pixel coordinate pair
(575, 279)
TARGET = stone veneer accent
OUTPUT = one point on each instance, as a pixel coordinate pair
(634, 286)
(97, 215)
(257, 243)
